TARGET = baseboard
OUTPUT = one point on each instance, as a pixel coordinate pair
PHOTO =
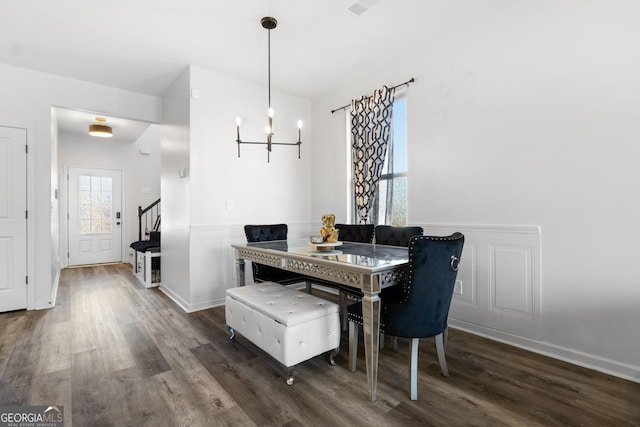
(54, 291)
(187, 307)
(586, 360)
(205, 305)
(175, 298)
(41, 305)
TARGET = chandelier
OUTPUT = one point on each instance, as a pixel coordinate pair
(269, 24)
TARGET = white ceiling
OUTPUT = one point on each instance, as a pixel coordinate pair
(75, 121)
(143, 45)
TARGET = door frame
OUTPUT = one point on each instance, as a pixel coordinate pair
(64, 231)
(29, 230)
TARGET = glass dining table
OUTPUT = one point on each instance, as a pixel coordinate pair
(364, 267)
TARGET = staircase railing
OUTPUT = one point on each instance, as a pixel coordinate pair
(151, 216)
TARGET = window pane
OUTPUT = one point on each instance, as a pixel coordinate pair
(106, 198)
(95, 204)
(392, 191)
(84, 199)
(396, 204)
(84, 183)
(400, 136)
(106, 183)
(95, 183)
(85, 226)
(399, 206)
(382, 201)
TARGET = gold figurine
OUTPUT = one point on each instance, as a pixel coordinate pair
(328, 232)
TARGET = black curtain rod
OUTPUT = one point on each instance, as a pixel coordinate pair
(411, 80)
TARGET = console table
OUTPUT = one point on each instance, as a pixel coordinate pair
(365, 267)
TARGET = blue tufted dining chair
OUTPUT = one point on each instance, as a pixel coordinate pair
(395, 236)
(359, 233)
(265, 273)
(420, 308)
(384, 235)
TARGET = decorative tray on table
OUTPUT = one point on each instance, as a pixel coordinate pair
(326, 248)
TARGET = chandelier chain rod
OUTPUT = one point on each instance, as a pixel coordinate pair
(269, 64)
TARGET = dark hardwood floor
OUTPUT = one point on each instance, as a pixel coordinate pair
(114, 353)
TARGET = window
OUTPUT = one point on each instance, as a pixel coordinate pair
(390, 206)
(391, 200)
(96, 207)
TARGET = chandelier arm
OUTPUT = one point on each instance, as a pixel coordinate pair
(266, 143)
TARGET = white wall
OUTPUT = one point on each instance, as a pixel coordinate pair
(140, 174)
(175, 191)
(525, 114)
(259, 192)
(26, 98)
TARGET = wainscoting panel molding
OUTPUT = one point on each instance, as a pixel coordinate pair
(466, 283)
(499, 278)
(511, 281)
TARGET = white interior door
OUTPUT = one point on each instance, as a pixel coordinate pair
(94, 216)
(13, 219)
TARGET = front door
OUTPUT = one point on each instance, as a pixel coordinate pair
(94, 216)
(13, 219)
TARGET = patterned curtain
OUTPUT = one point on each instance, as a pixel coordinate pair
(370, 133)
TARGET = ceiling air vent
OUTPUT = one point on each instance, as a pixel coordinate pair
(362, 6)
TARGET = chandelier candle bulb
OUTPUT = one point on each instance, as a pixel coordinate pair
(238, 122)
(269, 135)
(299, 129)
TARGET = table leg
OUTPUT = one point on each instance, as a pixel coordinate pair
(371, 326)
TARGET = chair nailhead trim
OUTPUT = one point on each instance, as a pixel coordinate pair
(412, 244)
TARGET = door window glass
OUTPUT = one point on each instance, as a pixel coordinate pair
(95, 195)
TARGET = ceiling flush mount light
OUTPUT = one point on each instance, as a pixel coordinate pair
(100, 129)
(269, 24)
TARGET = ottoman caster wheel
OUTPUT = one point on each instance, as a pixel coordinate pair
(290, 377)
(332, 354)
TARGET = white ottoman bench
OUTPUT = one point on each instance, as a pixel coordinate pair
(290, 325)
